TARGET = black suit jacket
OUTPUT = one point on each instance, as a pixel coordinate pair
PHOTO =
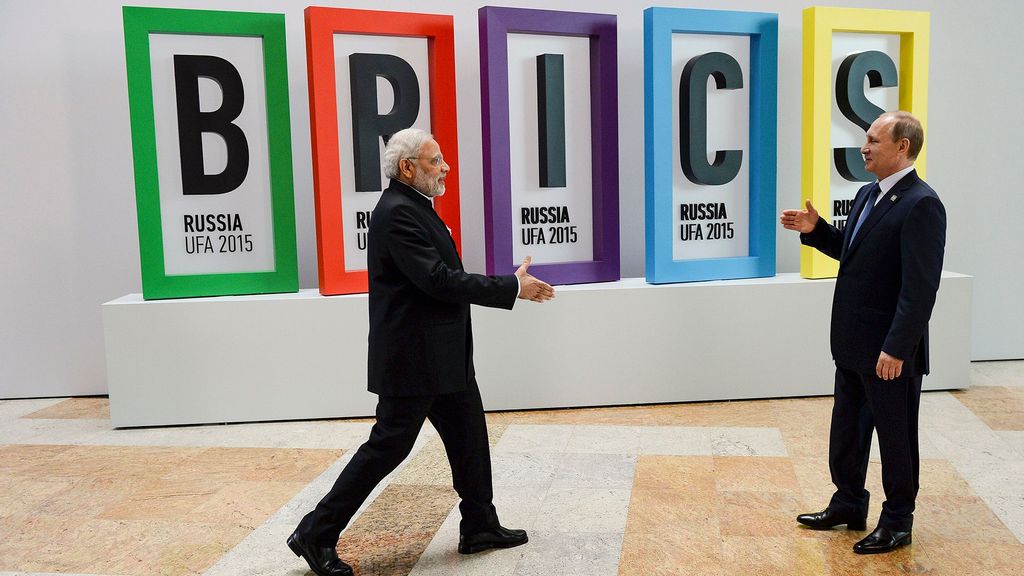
(888, 276)
(421, 338)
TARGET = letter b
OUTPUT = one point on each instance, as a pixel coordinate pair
(192, 122)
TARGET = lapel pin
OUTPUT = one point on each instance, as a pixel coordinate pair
(892, 198)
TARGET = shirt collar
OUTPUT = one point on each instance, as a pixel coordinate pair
(889, 181)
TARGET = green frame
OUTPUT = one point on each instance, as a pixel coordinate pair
(139, 23)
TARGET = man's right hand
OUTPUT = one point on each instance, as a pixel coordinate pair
(803, 221)
(530, 288)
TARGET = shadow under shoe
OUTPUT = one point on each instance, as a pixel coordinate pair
(322, 560)
(499, 537)
(829, 518)
(882, 540)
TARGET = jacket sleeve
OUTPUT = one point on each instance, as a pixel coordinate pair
(826, 238)
(922, 245)
(415, 255)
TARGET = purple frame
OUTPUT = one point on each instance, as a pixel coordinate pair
(495, 25)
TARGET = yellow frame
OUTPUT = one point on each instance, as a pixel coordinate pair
(819, 25)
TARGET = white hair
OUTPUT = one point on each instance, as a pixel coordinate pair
(402, 144)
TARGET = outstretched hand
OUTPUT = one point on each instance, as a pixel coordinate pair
(530, 288)
(803, 221)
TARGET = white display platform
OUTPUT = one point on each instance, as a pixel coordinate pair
(303, 355)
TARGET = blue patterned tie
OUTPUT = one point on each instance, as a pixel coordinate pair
(869, 204)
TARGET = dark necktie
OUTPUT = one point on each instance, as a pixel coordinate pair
(868, 205)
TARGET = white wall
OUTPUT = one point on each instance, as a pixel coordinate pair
(68, 237)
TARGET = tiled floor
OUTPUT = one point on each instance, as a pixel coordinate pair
(695, 489)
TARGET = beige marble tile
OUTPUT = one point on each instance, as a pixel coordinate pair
(789, 555)
(271, 464)
(1000, 407)
(760, 514)
(21, 496)
(670, 553)
(738, 413)
(49, 545)
(803, 414)
(959, 519)
(54, 544)
(815, 482)
(164, 499)
(940, 477)
(117, 461)
(75, 409)
(29, 459)
(841, 561)
(139, 510)
(654, 511)
(683, 474)
(282, 465)
(171, 548)
(943, 558)
(246, 504)
(88, 497)
(739, 473)
(802, 443)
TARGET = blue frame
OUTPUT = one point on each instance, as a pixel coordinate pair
(659, 26)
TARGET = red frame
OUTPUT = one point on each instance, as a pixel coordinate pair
(321, 26)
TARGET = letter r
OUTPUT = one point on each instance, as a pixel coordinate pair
(367, 123)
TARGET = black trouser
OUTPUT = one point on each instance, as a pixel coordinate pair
(459, 421)
(864, 402)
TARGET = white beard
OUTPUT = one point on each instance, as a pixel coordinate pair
(428, 187)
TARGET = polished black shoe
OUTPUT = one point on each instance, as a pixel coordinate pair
(322, 560)
(496, 538)
(882, 540)
(829, 518)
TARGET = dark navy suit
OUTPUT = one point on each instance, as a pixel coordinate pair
(420, 362)
(888, 277)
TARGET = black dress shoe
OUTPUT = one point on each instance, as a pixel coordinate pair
(882, 540)
(497, 538)
(829, 518)
(322, 560)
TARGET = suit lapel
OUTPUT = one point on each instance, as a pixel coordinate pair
(888, 200)
(422, 203)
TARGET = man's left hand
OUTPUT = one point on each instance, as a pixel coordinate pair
(888, 367)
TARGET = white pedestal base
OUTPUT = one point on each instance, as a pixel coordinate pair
(303, 356)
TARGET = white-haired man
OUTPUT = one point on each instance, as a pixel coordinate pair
(420, 357)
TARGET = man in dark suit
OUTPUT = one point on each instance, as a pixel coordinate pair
(420, 357)
(890, 260)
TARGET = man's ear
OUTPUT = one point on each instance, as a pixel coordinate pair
(405, 168)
